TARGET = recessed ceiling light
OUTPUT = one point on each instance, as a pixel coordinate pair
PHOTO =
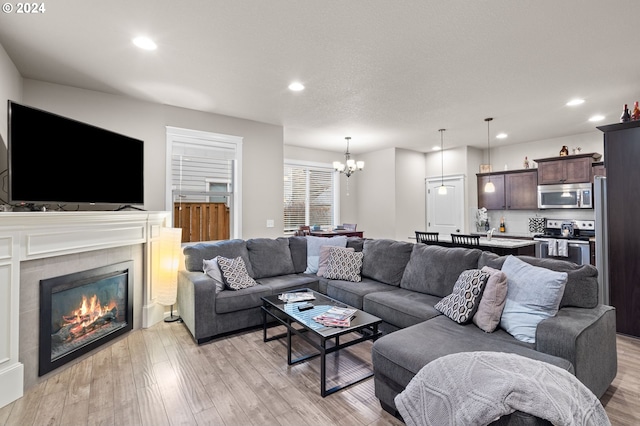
(596, 118)
(436, 148)
(574, 102)
(296, 86)
(145, 43)
(501, 136)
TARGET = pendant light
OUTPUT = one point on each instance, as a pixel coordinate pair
(489, 187)
(442, 190)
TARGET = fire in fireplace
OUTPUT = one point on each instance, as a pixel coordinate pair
(83, 310)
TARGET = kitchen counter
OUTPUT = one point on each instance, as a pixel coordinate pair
(501, 246)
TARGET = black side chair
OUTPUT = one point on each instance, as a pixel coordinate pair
(465, 240)
(427, 237)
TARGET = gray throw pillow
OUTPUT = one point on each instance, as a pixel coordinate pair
(463, 302)
(212, 269)
(235, 273)
(533, 294)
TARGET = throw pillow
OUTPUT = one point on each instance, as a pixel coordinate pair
(492, 302)
(463, 302)
(344, 265)
(313, 250)
(211, 268)
(235, 273)
(324, 258)
(533, 294)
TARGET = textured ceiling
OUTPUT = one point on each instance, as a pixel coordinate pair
(387, 73)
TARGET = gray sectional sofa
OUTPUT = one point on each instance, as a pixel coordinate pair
(401, 283)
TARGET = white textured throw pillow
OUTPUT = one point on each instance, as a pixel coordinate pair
(235, 273)
(344, 265)
(533, 294)
(211, 268)
(313, 250)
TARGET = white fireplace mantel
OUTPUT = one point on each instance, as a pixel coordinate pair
(37, 235)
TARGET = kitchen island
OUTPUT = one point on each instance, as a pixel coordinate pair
(498, 245)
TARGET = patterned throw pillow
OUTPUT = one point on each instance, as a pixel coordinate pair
(324, 258)
(235, 273)
(344, 265)
(463, 302)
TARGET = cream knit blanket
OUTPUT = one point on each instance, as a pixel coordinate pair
(476, 388)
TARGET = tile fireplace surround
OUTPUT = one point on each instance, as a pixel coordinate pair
(37, 245)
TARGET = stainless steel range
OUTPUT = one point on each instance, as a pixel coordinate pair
(566, 239)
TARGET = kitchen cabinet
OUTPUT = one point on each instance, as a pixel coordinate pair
(568, 169)
(515, 190)
(491, 200)
(621, 158)
(598, 169)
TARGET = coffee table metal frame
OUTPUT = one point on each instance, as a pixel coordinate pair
(363, 323)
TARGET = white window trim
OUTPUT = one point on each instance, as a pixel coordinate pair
(336, 182)
(174, 133)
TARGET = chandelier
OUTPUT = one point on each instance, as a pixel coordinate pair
(350, 166)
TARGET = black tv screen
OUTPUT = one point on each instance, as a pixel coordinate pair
(53, 159)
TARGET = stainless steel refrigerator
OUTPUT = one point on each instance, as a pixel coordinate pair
(602, 243)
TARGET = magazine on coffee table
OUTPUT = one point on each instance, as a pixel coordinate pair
(298, 296)
(336, 317)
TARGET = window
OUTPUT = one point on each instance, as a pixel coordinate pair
(310, 195)
(205, 167)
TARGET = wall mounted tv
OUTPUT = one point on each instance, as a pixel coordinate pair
(57, 160)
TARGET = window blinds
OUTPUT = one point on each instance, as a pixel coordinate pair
(308, 196)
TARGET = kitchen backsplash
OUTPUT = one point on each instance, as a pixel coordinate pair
(517, 221)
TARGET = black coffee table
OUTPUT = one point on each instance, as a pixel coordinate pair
(317, 335)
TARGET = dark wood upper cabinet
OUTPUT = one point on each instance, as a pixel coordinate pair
(598, 169)
(515, 190)
(491, 200)
(569, 169)
(521, 190)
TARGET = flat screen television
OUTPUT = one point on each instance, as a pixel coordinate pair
(57, 160)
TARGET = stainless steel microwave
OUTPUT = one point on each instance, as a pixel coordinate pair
(565, 196)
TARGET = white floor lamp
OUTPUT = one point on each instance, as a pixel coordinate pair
(166, 278)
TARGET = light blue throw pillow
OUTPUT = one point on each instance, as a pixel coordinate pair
(313, 250)
(533, 294)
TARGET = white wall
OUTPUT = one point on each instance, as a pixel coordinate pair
(262, 145)
(513, 155)
(410, 194)
(375, 194)
(10, 89)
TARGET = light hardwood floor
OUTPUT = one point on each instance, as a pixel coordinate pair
(159, 376)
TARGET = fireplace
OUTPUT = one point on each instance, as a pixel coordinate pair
(83, 310)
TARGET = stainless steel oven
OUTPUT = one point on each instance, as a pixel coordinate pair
(566, 239)
(578, 251)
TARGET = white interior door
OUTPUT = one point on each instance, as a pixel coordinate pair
(445, 212)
